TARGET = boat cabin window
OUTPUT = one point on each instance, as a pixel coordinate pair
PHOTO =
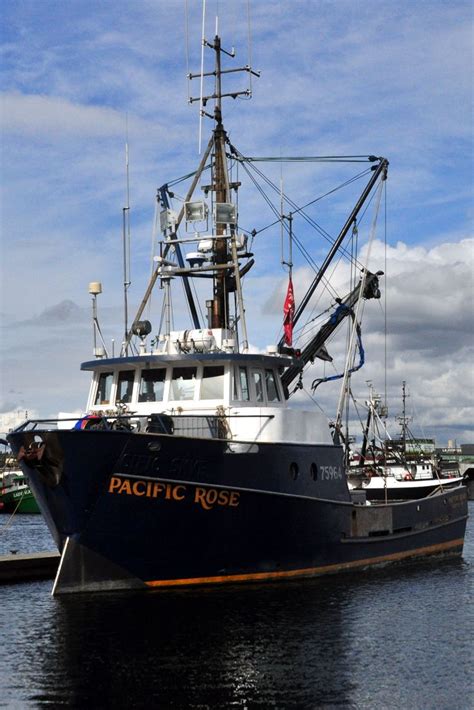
(212, 386)
(183, 383)
(272, 390)
(244, 383)
(152, 385)
(258, 384)
(104, 388)
(125, 386)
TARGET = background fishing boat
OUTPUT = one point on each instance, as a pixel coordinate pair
(401, 468)
(15, 493)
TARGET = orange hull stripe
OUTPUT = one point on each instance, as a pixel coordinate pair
(305, 572)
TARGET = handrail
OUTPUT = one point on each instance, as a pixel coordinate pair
(25, 425)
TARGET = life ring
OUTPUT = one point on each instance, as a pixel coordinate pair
(408, 477)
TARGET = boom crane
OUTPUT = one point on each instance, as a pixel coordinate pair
(316, 346)
(379, 170)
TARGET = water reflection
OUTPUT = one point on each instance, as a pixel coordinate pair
(378, 639)
(268, 646)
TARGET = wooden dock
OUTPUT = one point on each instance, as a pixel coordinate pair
(21, 567)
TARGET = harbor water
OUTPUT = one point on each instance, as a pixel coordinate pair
(398, 637)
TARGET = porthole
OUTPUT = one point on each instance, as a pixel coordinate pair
(313, 470)
(294, 470)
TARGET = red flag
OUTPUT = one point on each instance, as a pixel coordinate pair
(289, 313)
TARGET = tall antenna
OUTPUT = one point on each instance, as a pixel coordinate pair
(217, 73)
(403, 420)
(201, 92)
(126, 245)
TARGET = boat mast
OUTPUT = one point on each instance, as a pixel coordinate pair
(225, 266)
(403, 419)
(220, 304)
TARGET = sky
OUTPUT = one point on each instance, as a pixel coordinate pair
(350, 77)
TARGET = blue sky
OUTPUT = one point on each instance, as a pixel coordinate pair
(345, 77)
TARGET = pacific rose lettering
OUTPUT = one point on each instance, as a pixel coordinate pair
(207, 498)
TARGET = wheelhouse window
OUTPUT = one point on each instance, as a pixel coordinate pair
(104, 388)
(152, 385)
(125, 386)
(212, 386)
(244, 383)
(183, 383)
(272, 389)
(258, 383)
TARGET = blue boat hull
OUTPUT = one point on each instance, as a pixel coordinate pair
(134, 510)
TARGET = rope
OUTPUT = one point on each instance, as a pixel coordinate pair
(10, 519)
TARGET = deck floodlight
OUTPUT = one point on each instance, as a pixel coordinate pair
(225, 213)
(168, 219)
(195, 211)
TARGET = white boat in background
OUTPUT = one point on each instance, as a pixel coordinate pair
(396, 469)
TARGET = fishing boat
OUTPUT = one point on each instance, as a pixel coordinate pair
(189, 466)
(395, 468)
(15, 493)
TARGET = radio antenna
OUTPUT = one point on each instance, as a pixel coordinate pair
(201, 93)
(126, 243)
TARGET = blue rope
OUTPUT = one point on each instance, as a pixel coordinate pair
(316, 383)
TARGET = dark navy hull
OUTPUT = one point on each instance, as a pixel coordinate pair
(135, 510)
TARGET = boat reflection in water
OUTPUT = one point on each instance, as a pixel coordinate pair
(286, 645)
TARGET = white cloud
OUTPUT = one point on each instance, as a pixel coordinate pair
(35, 115)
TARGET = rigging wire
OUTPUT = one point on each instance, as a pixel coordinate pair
(385, 296)
(198, 301)
(359, 308)
(176, 181)
(238, 160)
(154, 239)
(354, 402)
(314, 401)
(306, 217)
(299, 244)
(311, 159)
(294, 204)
